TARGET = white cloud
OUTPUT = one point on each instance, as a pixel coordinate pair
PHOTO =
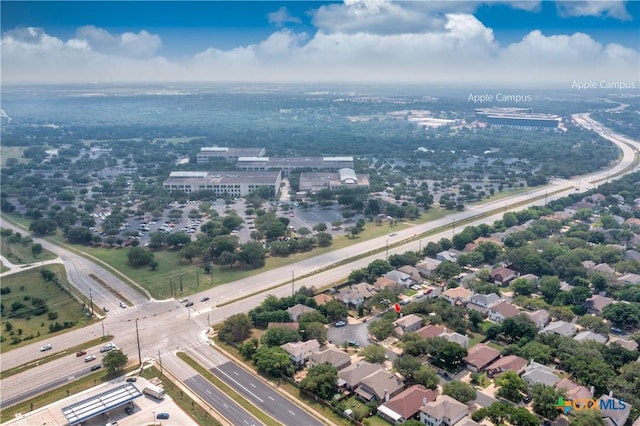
(281, 17)
(140, 45)
(601, 8)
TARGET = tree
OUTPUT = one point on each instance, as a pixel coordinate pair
(448, 269)
(235, 329)
(623, 314)
(276, 336)
(315, 330)
(522, 286)
(334, 310)
(178, 239)
(252, 254)
(445, 354)
(115, 360)
(549, 287)
(427, 377)
(321, 381)
(138, 256)
(36, 249)
(381, 329)
(43, 226)
(324, 239)
(273, 361)
(511, 386)
(594, 323)
(545, 399)
(374, 354)
(78, 235)
(320, 227)
(520, 416)
(519, 327)
(461, 391)
(587, 418)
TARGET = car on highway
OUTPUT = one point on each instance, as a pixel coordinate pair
(108, 347)
(96, 367)
(131, 379)
(204, 299)
(81, 353)
(341, 324)
(89, 358)
(188, 304)
(393, 234)
(162, 416)
(45, 347)
(183, 300)
(123, 305)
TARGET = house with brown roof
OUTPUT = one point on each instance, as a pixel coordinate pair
(574, 390)
(428, 267)
(380, 385)
(351, 376)
(290, 325)
(300, 352)
(406, 405)
(614, 414)
(480, 357)
(604, 269)
(296, 310)
(596, 303)
(383, 282)
(502, 275)
(430, 331)
(445, 411)
(631, 345)
(332, 356)
(501, 311)
(407, 324)
(322, 299)
(630, 279)
(457, 295)
(356, 294)
(413, 273)
(507, 363)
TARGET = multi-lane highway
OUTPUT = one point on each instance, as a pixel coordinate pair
(166, 327)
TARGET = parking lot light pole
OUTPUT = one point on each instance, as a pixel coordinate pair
(138, 339)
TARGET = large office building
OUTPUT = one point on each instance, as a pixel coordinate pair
(521, 118)
(228, 154)
(315, 181)
(288, 164)
(228, 183)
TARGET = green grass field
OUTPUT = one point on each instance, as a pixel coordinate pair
(7, 152)
(3, 268)
(21, 254)
(30, 328)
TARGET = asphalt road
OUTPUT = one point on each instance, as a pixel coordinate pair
(167, 326)
(262, 396)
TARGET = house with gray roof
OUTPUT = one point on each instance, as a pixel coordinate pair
(408, 324)
(631, 345)
(380, 385)
(296, 310)
(332, 356)
(351, 376)
(413, 273)
(596, 303)
(428, 266)
(604, 269)
(445, 411)
(614, 414)
(447, 255)
(561, 328)
(540, 317)
(481, 302)
(632, 255)
(300, 352)
(502, 310)
(630, 279)
(536, 373)
(356, 294)
(583, 336)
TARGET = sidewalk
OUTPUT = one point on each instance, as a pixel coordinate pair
(13, 268)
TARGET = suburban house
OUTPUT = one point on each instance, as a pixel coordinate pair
(507, 363)
(332, 356)
(351, 376)
(630, 279)
(407, 324)
(406, 405)
(614, 414)
(502, 275)
(632, 255)
(540, 317)
(480, 357)
(604, 269)
(481, 302)
(631, 345)
(291, 325)
(383, 282)
(356, 294)
(413, 273)
(445, 411)
(501, 311)
(296, 310)
(380, 385)
(596, 303)
(402, 279)
(590, 335)
(574, 390)
(430, 331)
(300, 352)
(428, 267)
(454, 337)
(532, 278)
(447, 256)
(535, 373)
(561, 328)
(458, 295)
(322, 299)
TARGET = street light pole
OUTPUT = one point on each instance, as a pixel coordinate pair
(292, 284)
(138, 340)
(91, 301)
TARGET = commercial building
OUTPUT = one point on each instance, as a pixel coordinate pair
(229, 183)
(315, 181)
(521, 118)
(208, 153)
(288, 164)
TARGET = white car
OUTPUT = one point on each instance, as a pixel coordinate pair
(45, 347)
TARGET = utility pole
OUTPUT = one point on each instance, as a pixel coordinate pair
(171, 284)
(91, 301)
(292, 284)
(197, 279)
(138, 339)
(453, 229)
(180, 283)
(386, 255)
(102, 323)
(211, 272)
(160, 360)
(208, 321)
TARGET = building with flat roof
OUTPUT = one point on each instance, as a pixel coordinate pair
(98, 404)
(229, 183)
(208, 153)
(315, 181)
(288, 164)
(521, 118)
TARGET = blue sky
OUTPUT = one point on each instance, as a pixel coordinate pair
(368, 40)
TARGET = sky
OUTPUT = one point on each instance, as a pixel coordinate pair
(512, 43)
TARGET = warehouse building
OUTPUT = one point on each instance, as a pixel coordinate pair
(228, 154)
(288, 164)
(229, 183)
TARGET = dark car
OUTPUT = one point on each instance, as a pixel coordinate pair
(96, 367)
(81, 353)
(526, 399)
(188, 304)
(162, 416)
(204, 299)
(128, 410)
(131, 379)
